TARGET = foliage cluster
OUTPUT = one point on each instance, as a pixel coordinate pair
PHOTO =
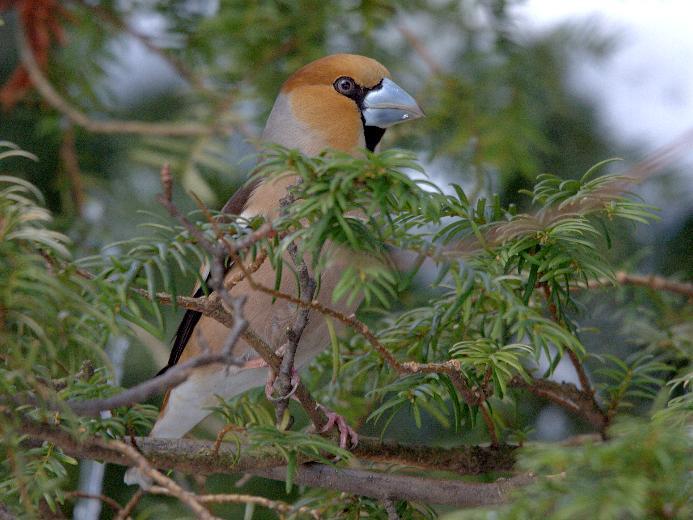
(488, 310)
(508, 288)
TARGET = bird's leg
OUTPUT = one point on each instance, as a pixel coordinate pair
(346, 433)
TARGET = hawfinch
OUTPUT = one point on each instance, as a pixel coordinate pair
(343, 102)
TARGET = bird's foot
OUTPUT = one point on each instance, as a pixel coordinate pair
(348, 438)
(269, 385)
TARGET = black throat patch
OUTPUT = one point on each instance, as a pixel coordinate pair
(372, 134)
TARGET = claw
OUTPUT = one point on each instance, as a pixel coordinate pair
(269, 385)
(346, 433)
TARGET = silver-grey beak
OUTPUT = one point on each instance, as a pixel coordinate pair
(388, 105)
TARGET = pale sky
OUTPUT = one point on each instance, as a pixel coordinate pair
(644, 90)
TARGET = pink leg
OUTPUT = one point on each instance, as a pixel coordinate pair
(346, 433)
(347, 436)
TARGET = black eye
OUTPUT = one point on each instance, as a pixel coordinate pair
(345, 85)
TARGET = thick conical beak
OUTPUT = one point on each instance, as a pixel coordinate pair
(388, 105)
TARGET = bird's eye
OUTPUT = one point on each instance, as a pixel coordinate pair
(345, 85)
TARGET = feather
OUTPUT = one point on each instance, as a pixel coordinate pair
(235, 206)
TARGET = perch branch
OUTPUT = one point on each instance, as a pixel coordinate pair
(193, 456)
(403, 487)
(202, 457)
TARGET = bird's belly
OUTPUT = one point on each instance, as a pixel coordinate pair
(271, 319)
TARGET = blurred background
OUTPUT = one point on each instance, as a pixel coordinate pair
(511, 89)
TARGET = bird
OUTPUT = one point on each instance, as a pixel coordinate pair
(342, 102)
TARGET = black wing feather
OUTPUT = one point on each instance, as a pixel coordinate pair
(183, 333)
(185, 330)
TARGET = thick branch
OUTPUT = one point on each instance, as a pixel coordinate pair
(403, 487)
(201, 457)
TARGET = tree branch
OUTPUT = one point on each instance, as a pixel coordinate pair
(68, 157)
(306, 288)
(54, 99)
(202, 457)
(587, 389)
(198, 457)
(402, 487)
(234, 498)
(186, 497)
(172, 377)
(420, 49)
(567, 396)
(652, 281)
(181, 68)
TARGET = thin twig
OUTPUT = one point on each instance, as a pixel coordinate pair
(189, 499)
(220, 436)
(183, 71)
(124, 513)
(651, 281)
(53, 98)
(587, 388)
(421, 49)
(488, 420)
(218, 252)
(234, 498)
(567, 396)
(172, 377)
(306, 289)
(103, 498)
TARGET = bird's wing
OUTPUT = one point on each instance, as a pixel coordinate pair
(234, 206)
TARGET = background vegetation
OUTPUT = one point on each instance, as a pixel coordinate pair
(535, 311)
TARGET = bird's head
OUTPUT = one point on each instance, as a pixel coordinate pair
(343, 101)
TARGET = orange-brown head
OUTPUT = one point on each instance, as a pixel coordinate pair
(343, 101)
